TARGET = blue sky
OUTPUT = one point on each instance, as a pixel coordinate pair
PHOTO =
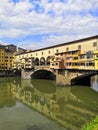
(34, 24)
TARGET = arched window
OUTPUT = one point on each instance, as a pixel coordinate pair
(36, 61)
(42, 61)
(48, 60)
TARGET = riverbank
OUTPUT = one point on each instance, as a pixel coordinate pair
(9, 73)
(93, 125)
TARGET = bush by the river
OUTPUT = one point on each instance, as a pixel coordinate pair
(93, 125)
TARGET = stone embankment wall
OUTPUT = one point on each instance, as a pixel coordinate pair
(10, 73)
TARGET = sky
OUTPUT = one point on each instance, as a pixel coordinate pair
(34, 24)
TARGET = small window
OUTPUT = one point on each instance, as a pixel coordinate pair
(67, 49)
(82, 56)
(79, 47)
(94, 44)
(96, 56)
(42, 53)
(36, 54)
(56, 63)
(57, 51)
(49, 52)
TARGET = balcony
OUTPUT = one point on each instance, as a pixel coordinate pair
(75, 55)
(68, 67)
(68, 55)
(96, 52)
(76, 61)
(67, 61)
(75, 67)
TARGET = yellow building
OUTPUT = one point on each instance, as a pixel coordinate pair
(6, 58)
(96, 59)
(78, 54)
(2, 57)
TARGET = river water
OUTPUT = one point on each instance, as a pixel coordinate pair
(40, 105)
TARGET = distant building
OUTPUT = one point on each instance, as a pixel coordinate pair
(2, 57)
(6, 56)
(11, 47)
(21, 50)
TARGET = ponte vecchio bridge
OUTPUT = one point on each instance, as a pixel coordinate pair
(68, 63)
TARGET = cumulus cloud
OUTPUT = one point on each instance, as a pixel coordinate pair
(72, 19)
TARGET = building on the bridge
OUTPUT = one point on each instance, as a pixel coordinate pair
(96, 59)
(79, 54)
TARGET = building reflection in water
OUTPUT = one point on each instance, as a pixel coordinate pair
(6, 97)
(72, 107)
(94, 82)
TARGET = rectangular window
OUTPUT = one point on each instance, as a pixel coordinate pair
(82, 56)
(94, 44)
(89, 54)
(96, 56)
(67, 49)
(49, 52)
(79, 47)
(75, 58)
(57, 51)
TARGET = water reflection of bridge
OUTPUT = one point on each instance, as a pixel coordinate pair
(71, 107)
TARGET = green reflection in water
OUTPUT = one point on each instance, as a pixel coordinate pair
(72, 107)
(14, 115)
(44, 86)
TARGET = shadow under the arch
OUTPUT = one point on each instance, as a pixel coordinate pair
(43, 74)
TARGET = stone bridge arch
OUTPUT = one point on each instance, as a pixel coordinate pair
(82, 79)
(43, 74)
(68, 77)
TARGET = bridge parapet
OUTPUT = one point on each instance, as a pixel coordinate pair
(41, 67)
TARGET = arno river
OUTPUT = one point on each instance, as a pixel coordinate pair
(40, 105)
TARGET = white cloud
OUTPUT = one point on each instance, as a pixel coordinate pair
(21, 19)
